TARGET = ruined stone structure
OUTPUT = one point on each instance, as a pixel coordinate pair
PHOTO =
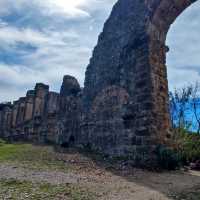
(5, 119)
(126, 88)
(123, 108)
(43, 116)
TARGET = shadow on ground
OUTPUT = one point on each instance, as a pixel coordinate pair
(177, 185)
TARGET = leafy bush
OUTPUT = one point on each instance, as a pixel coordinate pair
(184, 150)
(188, 145)
(168, 158)
(191, 148)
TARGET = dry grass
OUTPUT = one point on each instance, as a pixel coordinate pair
(30, 156)
(14, 189)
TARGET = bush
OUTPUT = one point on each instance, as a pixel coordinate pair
(187, 144)
(168, 158)
(190, 146)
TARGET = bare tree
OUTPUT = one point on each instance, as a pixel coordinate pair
(173, 109)
(195, 103)
(179, 105)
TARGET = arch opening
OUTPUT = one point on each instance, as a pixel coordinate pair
(184, 46)
(183, 66)
(164, 15)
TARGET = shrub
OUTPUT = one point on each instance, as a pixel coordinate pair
(168, 158)
(190, 147)
(187, 144)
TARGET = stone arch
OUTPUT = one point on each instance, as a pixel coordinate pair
(164, 13)
(131, 54)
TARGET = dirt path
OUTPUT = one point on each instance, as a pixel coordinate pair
(137, 185)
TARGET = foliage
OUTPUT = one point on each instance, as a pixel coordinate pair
(168, 158)
(185, 149)
(185, 118)
(187, 144)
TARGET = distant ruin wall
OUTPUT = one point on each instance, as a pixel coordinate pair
(42, 115)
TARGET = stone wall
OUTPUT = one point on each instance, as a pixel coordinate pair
(130, 59)
(5, 119)
(70, 112)
(43, 115)
(50, 118)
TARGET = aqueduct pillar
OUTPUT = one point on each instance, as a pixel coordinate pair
(126, 87)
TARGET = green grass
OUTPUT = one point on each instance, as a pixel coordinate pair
(17, 190)
(30, 156)
(37, 158)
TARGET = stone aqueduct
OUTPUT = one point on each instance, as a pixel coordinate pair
(123, 108)
(130, 61)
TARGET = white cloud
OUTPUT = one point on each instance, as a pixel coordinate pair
(7, 6)
(56, 54)
(12, 35)
(62, 37)
(182, 77)
(68, 8)
(21, 75)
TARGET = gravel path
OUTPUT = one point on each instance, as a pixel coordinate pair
(139, 185)
(55, 178)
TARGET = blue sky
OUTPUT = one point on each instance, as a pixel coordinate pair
(42, 40)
